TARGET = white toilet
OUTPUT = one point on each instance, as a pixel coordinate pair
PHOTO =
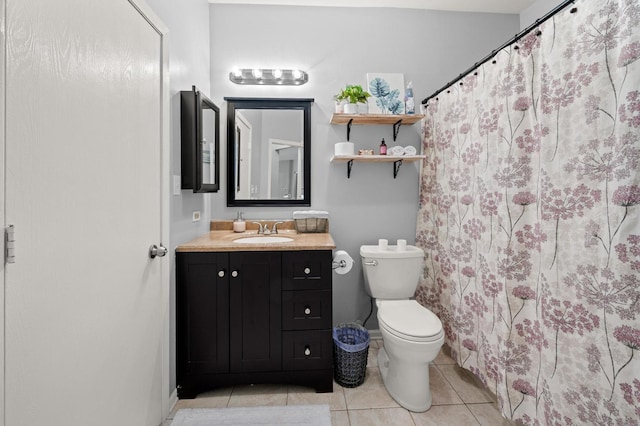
(412, 334)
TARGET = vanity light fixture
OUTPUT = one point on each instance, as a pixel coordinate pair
(268, 76)
(257, 73)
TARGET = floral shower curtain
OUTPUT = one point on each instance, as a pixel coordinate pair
(530, 218)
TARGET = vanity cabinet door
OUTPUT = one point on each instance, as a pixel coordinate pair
(202, 295)
(255, 291)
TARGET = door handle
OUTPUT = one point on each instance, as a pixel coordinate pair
(154, 251)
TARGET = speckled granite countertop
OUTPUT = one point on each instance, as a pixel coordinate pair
(221, 238)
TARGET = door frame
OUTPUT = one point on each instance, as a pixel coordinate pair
(3, 42)
(274, 145)
(244, 155)
(147, 13)
(165, 187)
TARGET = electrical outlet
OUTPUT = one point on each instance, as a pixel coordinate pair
(196, 216)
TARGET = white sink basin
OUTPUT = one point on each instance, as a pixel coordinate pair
(263, 240)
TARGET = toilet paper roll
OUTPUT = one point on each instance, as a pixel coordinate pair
(402, 245)
(344, 148)
(382, 243)
(342, 262)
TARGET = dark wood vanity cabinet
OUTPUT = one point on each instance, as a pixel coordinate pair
(255, 301)
(253, 317)
(202, 313)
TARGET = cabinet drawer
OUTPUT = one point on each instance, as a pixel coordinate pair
(306, 309)
(307, 350)
(306, 270)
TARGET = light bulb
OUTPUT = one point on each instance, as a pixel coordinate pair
(297, 74)
(257, 73)
(277, 73)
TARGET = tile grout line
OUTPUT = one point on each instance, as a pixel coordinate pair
(450, 384)
(466, 404)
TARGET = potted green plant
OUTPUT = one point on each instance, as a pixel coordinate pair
(352, 94)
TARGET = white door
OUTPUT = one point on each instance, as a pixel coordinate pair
(290, 179)
(84, 303)
(244, 146)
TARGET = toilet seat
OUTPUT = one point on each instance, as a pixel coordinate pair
(409, 320)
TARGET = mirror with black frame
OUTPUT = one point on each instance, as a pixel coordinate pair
(268, 151)
(200, 142)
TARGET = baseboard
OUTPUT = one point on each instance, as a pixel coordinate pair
(173, 400)
(375, 334)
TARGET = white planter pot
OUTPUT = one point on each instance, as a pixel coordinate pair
(350, 108)
(363, 108)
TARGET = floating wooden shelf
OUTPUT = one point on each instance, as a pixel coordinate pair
(375, 118)
(396, 160)
(377, 158)
(395, 120)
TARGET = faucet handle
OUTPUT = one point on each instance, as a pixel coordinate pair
(260, 227)
(274, 230)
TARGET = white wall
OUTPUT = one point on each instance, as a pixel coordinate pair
(338, 46)
(188, 23)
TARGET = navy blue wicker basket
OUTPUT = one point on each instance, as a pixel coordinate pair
(350, 350)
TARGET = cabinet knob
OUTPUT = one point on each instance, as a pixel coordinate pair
(307, 310)
(307, 271)
(234, 274)
(307, 351)
(221, 273)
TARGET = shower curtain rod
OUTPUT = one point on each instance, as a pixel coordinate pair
(518, 36)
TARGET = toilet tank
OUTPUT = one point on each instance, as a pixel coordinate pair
(390, 273)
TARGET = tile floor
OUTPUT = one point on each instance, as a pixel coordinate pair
(458, 399)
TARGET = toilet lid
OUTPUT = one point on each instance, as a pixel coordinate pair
(409, 319)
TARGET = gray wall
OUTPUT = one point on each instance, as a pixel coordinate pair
(537, 10)
(338, 46)
(188, 23)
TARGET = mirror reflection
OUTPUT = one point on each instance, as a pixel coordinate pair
(269, 151)
(208, 145)
(285, 169)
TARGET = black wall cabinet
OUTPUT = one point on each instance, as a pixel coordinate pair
(200, 142)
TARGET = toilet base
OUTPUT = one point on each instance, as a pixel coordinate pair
(409, 387)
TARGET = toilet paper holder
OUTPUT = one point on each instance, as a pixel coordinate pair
(335, 264)
(341, 262)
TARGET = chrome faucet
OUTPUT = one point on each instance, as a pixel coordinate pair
(261, 228)
(274, 230)
(264, 228)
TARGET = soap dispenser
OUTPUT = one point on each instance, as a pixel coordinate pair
(383, 147)
(239, 225)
